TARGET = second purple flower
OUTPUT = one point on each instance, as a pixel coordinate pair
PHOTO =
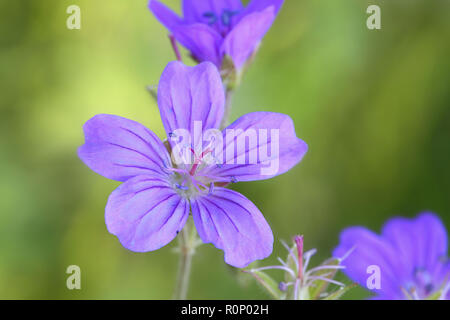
(213, 29)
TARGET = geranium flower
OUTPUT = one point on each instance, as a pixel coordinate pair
(213, 29)
(152, 205)
(411, 255)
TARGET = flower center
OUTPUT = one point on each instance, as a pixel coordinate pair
(421, 285)
(221, 21)
(189, 180)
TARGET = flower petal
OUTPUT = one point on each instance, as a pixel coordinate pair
(246, 35)
(233, 224)
(264, 145)
(260, 5)
(420, 242)
(368, 249)
(166, 16)
(189, 94)
(145, 213)
(201, 40)
(118, 148)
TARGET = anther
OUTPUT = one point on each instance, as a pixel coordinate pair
(181, 187)
(211, 16)
(282, 286)
(226, 16)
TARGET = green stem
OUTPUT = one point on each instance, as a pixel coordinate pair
(187, 244)
(228, 103)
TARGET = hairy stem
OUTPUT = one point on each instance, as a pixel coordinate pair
(187, 244)
(228, 103)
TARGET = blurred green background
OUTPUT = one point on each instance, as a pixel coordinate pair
(372, 105)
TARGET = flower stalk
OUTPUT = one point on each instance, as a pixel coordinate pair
(188, 242)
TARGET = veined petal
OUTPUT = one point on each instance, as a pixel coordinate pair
(118, 148)
(260, 5)
(201, 40)
(233, 224)
(190, 94)
(246, 35)
(145, 213)
(166, 16)
(195, 10)
(368, 249)
(420, 242)
(258, 146)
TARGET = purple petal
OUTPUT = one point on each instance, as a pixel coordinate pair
(189, 94)
(194, 10)
(233, 224)
(202, 41)
(118, 148)
(420, 242)
(246, 35)
(145, 213)
(272, 148)
(166, 16)
(260, 5)
(369, 249)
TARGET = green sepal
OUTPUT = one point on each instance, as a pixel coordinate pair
(321, 285)
(268, 283)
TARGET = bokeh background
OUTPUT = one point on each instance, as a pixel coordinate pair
(372, 105)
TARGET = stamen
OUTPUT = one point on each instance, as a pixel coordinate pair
(215, 178)
(194, 183)
(282, 286)
(181, 187)
(227, 15)
(211, 16)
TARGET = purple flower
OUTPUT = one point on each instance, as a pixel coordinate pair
(213, 29)
(411, 255)
(152, 205)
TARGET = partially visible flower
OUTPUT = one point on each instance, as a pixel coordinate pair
(301, 282)
(411, 255)
(214, 29)
(157, 195)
